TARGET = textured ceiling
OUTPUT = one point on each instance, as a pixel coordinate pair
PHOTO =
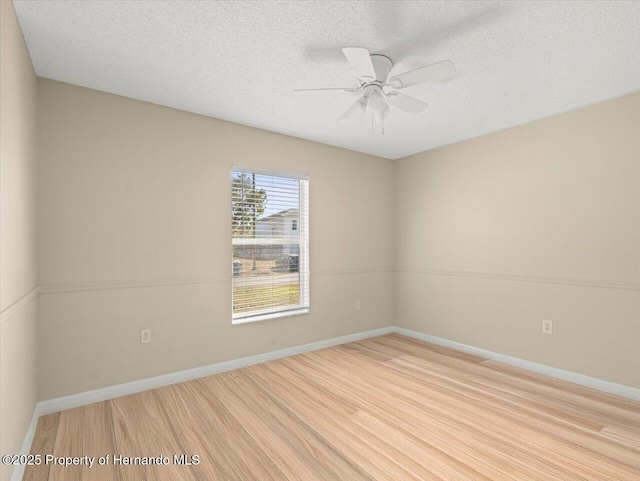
(240, 61)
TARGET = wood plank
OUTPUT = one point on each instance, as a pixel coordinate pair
(576, 389)
(141, 430)
(596, 411)
(537, 427)
(345, 436)
(203, 426)
(503, 394)
(469, 443)
(43, 443)
(295, 449)
(98, 439)
(447, 351)
(373, 354)
(553, 398)
(624, 435)
(69, 439)
(383, 405)
(474, 412)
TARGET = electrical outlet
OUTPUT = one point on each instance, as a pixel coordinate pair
(547, 326)
(357, 305)
(145, 336)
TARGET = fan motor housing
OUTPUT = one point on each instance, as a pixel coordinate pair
(371, 87)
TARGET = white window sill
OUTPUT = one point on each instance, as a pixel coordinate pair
(271, 315)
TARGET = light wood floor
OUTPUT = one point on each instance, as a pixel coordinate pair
(388, 408)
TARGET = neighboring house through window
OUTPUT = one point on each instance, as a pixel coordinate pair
(270, 237)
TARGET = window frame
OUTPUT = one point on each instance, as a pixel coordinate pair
(302, 229)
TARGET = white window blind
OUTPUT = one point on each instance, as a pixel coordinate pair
(270, 237)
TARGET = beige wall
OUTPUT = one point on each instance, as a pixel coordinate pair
(540, 221)
(491, 236)
(135, 233)
(18, 247)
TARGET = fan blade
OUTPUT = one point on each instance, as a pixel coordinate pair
(406, 103)
(345, 89)
(360, 61)
(436, 72)
(357, 110)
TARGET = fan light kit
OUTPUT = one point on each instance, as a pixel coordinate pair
(372, 73)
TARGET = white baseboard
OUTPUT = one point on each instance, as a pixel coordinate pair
(111, 392)
(75, 400)
(18, 471)
(581, 379)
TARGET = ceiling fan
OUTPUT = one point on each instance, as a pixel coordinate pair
(374, 84)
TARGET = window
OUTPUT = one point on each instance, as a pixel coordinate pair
(270, 237)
